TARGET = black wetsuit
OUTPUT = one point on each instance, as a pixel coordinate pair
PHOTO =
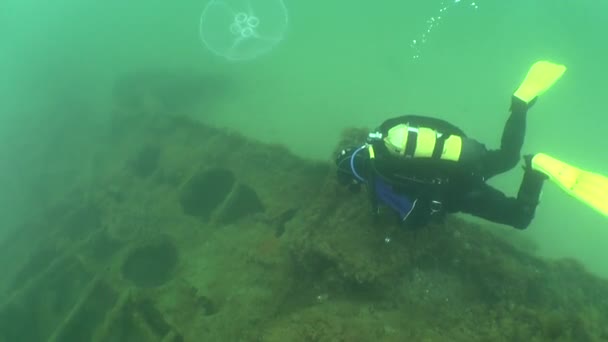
(457, 187)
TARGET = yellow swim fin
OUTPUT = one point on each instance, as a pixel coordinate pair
(588, 187)
(541, 76)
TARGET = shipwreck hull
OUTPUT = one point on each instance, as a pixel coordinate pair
(191, 233)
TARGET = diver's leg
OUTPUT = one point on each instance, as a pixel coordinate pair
(489, 203)
(531, 186)
(505, 158)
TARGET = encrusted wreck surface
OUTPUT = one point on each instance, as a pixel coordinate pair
(195, 234)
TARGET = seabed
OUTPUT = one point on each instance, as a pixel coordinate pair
(194, 233)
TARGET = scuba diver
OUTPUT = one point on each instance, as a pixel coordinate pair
(424, 168)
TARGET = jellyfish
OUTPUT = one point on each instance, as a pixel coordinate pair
(243, 29)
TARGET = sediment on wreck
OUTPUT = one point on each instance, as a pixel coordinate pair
(195, 233)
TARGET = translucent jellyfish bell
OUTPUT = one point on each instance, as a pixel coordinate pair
(243, 29)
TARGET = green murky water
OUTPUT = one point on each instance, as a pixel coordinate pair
(337, 64)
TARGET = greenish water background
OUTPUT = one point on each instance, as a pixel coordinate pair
(342, 64)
